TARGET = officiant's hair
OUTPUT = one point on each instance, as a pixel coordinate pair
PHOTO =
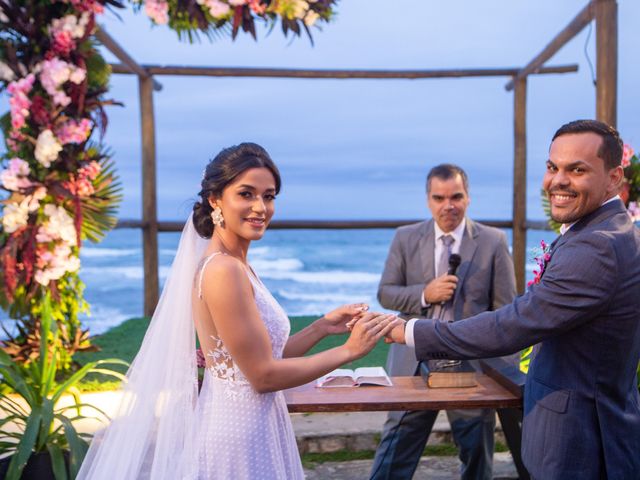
(225, 167)
(612, 146)
(447, 171)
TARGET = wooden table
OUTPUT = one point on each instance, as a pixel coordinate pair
(501, 389)
(407, 393)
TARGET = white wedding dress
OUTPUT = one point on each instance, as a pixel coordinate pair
(163, 428)
(243, 434)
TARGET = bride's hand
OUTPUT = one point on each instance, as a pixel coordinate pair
(366, 332)
(338, 320)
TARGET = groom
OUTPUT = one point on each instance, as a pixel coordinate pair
(581, 404)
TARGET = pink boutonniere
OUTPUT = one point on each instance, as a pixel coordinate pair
(541, 260)
(200, 360)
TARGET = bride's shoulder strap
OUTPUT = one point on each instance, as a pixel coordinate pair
(205, 262)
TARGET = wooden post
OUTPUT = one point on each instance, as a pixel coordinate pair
(606, 60)
(149, 211)
(520, 180)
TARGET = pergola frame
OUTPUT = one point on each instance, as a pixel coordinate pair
(604, 12)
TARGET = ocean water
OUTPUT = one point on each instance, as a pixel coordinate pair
(308, 271)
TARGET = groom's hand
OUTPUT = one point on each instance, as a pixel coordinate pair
(396, 335)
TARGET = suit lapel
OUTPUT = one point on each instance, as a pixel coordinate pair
(427, 247)
(468, 248)
(599, 215)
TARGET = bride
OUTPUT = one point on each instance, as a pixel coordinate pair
(238, 426)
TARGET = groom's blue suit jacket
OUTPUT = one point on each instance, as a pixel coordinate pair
(581, 405)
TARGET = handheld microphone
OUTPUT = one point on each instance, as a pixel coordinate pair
(454, 263)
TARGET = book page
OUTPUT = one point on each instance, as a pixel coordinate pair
(372, 376)
(340, 377)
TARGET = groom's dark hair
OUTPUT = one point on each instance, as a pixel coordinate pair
(611, 149)
(447, 171)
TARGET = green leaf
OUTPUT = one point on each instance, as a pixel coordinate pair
(77, 446)
(25, 446)
(19, 385)
(555, 226)
(57, 462)
(45, 424)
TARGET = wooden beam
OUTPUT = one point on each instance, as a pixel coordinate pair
(175, 226)
(115, 48)
(606, 61)
(335, 74)
(149, 213)
(575, 26)
(520, 181)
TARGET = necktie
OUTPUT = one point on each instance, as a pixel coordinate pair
(443, 263)
(444, 312)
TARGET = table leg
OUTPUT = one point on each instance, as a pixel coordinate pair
(511, 421)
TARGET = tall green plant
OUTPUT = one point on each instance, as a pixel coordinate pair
(29, 399)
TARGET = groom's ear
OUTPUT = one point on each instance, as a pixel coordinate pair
(616, 177)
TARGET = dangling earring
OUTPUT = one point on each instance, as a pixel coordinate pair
(216, 217)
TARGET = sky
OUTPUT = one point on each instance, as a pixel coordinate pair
(360, 149)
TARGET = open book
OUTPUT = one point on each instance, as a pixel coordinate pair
(343, 377)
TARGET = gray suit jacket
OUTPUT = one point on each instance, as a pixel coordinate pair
(486, 278)
(581, 405)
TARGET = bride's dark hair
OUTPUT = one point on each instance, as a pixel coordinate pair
(223, 170)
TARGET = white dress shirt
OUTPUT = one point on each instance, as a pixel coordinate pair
(457, 235)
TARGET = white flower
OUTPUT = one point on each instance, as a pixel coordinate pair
(47, 148)
(70, 23)
(310, 18)
(77, 75)
(216, 8)
(59, 225)
(237, 3)
(54, 265)
(6, 73)
(15, 215)
(300, 8)
(34, 200)
(3, 17)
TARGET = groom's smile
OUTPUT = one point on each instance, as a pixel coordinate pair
(577, 181)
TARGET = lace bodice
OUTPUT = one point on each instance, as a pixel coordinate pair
(276, 321)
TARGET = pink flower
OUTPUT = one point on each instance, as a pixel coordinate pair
(157, 10)
(627, 155)
(19, 102)
(257, 7)
(86, 5)
(200, 360)
(81, 187)
(541, 260)
(91, 170)
(54, 73)
(15, 177)
(74, 132)
(217, 8)
(63, 44)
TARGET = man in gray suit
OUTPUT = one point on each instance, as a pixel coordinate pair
(581, 404)
(416, 282)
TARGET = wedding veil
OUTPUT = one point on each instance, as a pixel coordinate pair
(152, 435)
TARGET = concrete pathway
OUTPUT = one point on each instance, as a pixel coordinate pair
(432, 468)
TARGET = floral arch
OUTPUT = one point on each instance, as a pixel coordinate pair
(59, 182)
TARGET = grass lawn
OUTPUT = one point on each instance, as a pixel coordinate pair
(124, 341)
(311, 460)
